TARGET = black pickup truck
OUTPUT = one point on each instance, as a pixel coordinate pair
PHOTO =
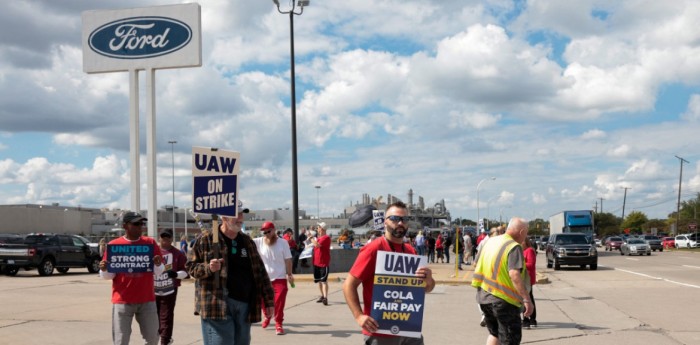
(48, 251)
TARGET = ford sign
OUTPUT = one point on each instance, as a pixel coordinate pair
(140, 37)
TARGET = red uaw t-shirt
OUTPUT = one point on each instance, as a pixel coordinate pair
(322, 253)
(364, 266)
(134, 287)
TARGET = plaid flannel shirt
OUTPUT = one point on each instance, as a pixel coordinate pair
(209, 302)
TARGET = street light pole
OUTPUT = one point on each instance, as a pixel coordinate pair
(318, 207)
(488, 211)
(295, 179)
(172, 151)
(477, 198)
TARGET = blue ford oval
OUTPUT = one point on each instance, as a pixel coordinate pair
(140, 37)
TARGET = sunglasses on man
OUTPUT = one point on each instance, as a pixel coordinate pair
(398, 219)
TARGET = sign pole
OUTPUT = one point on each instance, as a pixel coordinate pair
(217, 253)
(151, 152)
(170, 37)
(134, 139)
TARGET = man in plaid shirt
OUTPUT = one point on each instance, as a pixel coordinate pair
(228, 307)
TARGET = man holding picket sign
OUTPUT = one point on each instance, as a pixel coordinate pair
(391, 245)
(132, 262)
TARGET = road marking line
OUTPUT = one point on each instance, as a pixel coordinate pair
(690, 266)
(658, 278)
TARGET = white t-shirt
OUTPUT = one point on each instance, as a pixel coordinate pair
(274, 257)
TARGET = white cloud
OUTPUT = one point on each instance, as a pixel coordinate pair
(428, 95)
(593, 134)
(644, 170)
(693, 111)
(619, 151)
(538, 199)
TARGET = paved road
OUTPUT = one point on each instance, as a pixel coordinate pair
(637, 300)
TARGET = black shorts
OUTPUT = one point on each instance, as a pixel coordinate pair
(503, 321)
(320, 274)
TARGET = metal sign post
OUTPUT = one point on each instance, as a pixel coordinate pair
(142, 39)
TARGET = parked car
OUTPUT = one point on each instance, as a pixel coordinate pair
(686, 241)
(635, 246)
(571, 249)
(613, 243)
(668, 242)
(11, 238)
(542, 243)
(654, 242)
(47, 252)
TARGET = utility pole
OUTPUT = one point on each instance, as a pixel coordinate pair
(678, 205)
(601, 205)
(595, 208)
(624, 202)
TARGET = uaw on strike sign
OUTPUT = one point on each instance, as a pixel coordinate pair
(398, 296)
(215, 181)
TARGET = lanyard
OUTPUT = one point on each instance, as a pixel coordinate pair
(391, 246)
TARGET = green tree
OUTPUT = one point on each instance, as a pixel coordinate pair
(606, 224)
(659, 224)
(634, 222)
(688, 212)
(537, 227)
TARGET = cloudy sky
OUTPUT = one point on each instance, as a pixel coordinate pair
(564, 102)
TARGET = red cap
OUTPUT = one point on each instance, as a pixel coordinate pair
(267, 225)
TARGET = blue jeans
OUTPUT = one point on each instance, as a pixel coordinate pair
(420, 249)
(234, 330)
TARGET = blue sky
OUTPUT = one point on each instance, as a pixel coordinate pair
(563, 102)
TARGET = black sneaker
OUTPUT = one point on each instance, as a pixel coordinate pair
(533, 323)
(325, 301)
(320, 299)
(526, 324)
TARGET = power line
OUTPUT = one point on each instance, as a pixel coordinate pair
(624, 201)
(678, 206)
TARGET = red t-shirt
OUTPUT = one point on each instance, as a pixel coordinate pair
(290, 240)
(322, 252)
(364, 266)
(530, 260)
(480, 238)
(134, 287)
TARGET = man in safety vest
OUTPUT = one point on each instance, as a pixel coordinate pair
(499, 278)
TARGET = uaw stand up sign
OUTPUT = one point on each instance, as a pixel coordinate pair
(398, 296)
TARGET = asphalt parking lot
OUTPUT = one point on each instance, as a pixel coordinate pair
(75, 308)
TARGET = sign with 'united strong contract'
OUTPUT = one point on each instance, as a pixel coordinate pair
(129, 258)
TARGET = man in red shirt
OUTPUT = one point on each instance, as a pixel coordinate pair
(362, 272)
(322, 261)
(133, 294)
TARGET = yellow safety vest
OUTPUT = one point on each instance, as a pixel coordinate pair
(491, 272)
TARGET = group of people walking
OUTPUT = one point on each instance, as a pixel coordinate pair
(240, 281)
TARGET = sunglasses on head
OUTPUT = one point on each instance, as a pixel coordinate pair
(397, 219)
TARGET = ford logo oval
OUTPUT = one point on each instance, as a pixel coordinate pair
(140, 37)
